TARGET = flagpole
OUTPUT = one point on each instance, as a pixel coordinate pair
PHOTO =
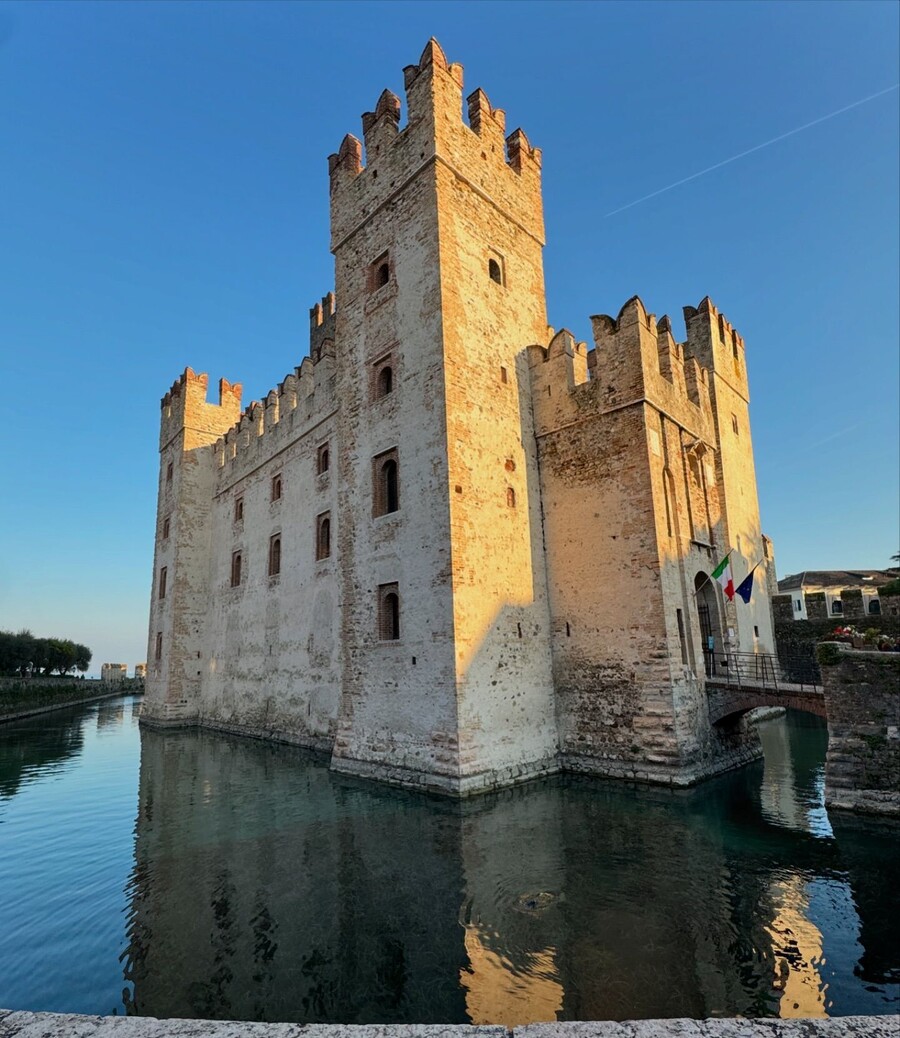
(755, 568)
(748, 580)
(697, 590)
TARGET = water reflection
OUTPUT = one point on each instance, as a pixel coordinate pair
(265, 887)
(258, 885)
(29, 750)
(68, 797)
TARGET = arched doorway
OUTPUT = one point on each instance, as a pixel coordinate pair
(710, 624)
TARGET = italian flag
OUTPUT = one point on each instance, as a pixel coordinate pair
(722, 573)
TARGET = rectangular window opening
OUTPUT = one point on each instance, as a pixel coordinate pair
(276, 487)
(386, 483)
(383, 377)
(163, 574)
(275, 555)
(388, 613)
(496, 268)
(681, 636)
(238, 509)
(236, 569)
(323, 536)
(379, 273)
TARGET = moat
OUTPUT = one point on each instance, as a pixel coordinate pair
(194, 875)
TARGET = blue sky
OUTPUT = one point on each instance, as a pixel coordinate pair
(164, 202)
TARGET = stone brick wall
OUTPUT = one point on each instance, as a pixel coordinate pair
(862, 770)
(557, 509)
(795, 638)
(398, 710)
(188, 428)
(60, 1025)
(633, 504)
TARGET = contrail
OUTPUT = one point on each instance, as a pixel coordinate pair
(818, 443)
(749, 151)
(828, 439)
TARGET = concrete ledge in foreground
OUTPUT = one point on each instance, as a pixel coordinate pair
(66, 1025)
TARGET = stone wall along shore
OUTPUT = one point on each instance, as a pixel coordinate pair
(58, 1025)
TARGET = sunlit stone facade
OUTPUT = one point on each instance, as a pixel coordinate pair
(453, 548)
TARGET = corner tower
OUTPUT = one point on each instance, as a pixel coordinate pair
(189, 426)
(717, 345)
(437, 241)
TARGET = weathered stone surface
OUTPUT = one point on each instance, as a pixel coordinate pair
(557, 506)
(54, 1025)
(839, 1027)
(862, 766)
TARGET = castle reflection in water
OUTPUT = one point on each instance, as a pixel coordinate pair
(266, 887)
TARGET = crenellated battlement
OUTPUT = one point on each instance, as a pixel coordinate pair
(364, 174)
(185, 406)
(716, 344)
(635, 358)
(322, 319)
(429, 532)
(300, 400)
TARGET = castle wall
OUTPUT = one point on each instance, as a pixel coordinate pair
(718, 347)
(437, 201)
(489, 211)
(862, 768)
(398, 716)
(188, 427)
(272, 642)
(520, 537)
(632, 519)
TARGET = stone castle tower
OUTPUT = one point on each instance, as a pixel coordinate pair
(450, 555)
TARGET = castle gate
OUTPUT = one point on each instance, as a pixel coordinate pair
(710, 624)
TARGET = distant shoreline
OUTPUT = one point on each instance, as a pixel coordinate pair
(22, 711)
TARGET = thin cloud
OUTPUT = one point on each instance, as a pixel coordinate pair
(750, 151)
(827, 439)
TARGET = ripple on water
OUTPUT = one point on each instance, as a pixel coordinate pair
(213, 877)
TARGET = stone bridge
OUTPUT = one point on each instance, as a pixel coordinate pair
(858, 697)
(729, 700)
(742, 681)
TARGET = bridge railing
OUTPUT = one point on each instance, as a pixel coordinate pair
(762, 671)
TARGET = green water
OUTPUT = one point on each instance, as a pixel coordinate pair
(192, 875)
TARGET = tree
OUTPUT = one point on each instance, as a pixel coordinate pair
(22, 654)
(61, 655)
(40, 656)
(82, 658)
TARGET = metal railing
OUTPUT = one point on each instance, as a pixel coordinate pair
(762, 671)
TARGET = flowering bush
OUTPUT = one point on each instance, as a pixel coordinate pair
(842, 634)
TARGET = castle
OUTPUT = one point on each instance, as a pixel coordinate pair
(452, 548)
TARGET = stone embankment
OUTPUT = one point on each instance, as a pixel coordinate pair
(54, 1025)
(862, 700)
(21, 698)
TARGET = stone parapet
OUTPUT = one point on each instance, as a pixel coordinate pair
(58, 1025)
(862, 768)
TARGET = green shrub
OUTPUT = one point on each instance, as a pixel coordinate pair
(828, 654)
